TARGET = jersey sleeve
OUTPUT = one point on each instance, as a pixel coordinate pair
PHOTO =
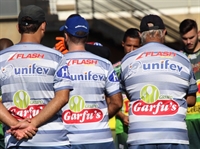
(193, 85)
(62, 78)
(112, 82)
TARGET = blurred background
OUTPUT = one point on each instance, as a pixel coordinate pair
(108, 19)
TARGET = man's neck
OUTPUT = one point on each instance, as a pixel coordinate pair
(30, 38)
(197, 48)
(76, 47)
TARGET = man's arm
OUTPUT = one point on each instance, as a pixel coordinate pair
(191, 99)
(61, 98)
(9, 120)
(124, 118)
(114, 104)
(6, 117)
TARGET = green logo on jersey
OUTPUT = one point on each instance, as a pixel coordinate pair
(149, 93)
(21, 99)
(76, 103)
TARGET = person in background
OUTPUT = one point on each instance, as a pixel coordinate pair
(87, 114)
(35, 85)
(131, 41)
(93, 47)
(98, 49)
(160, 85)
(4, 43)
(190, 34)
(60, 45)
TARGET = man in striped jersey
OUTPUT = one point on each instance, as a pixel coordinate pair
(35, 85)
(190, 34)
(160, 85)
(86, 115)
(4, 43)
(131, 41)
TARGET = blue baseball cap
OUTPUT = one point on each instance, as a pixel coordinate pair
(75, 24)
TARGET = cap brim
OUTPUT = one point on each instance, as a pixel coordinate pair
(62, 28)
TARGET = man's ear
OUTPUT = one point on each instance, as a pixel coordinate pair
(66, 36)
(43, 26)
(164, 32)
(17, 26)
(122, 43)
(198, 35)
(139, 34)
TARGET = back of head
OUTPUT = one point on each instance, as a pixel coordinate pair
(5, 43)
(152, 28)
(30, 18)
(187, 25)
(131, 32)
(76, 27)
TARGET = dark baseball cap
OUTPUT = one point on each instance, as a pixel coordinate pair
(35, 13)
(151, 22)
(98, 49)
(75, 24)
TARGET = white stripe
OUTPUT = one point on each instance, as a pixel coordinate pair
(12, 87)
(162, 124)
(84, 84)
(83, 139)
(88, 126)
(146, 138)
(49, 126)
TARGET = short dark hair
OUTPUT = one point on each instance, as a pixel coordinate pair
(131, 32)
(29, 28)
(187, 25)
(5, 43)
(76, 39)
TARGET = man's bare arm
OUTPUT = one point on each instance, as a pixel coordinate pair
(9, 120)
(124, 118)
(6, 117)
(191, 99)
(61, 98)
(114, 104)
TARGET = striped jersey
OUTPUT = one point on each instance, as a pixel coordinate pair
(29, 77)
(86, 114)
(194, 112)
(120, 127)
(157, 78)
